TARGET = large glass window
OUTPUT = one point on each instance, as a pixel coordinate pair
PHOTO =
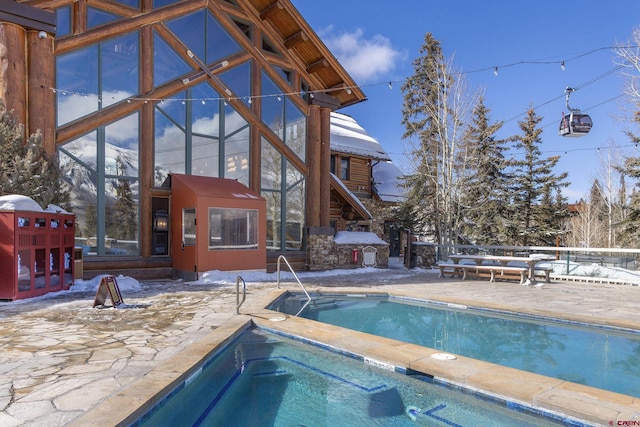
(238, 79)
(295, 203)
(97, 17)
(63, 21)
(283, 117)
(233, 228)
(283, 187)
(167, 64)
(97, 76)
(101, 169)
(202, 34)
(200, 134)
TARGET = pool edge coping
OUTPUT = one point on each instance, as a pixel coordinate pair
(133, 401)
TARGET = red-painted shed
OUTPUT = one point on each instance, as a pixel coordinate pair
(217, 224)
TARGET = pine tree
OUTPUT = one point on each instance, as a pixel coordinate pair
(25, 168)
(534, 183)
(122, 223)
(630, 233)
(485, 200)
(434, 110)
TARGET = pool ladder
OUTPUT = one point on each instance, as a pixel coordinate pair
(244, 287)
(282, 258)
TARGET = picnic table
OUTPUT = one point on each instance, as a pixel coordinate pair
(530, 261)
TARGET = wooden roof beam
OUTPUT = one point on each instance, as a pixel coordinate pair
(28, 16)
(297, 38)
(271, 10)
(317, 66)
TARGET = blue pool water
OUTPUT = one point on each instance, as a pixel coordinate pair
(263, 379)
(600, 357)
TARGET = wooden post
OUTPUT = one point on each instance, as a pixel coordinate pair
(13, 70)
(325, 167)
(314, 156)
(146, 148)
(41, 99)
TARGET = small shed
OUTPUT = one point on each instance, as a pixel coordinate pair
(217, 224)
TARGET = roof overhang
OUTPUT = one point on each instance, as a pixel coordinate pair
(349, 198)
(28, 16)
(332, 86)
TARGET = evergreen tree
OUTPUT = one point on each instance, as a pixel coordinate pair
(485, 200)
(434, 110)
(534, 183)
(630, 234)
(25, 168)
(122, 223)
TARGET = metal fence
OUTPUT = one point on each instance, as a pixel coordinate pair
(616, 265)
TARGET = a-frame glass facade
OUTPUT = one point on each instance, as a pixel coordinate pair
(202, 122)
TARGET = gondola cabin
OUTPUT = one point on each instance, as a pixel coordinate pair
(575, 124)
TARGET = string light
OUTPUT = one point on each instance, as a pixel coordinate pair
(348, 89)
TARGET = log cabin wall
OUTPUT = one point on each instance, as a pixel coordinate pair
(358, 178)
(127, 91)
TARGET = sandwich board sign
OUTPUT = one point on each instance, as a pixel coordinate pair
(108, 288)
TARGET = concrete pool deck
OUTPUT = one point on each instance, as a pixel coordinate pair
(66, 363)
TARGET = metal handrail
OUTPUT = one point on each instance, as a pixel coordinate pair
(281, 257)
(244, 293)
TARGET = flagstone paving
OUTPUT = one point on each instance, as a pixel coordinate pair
(60, 357)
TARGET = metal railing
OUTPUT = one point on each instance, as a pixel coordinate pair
(244, 293)
(572, 263)
(281, 257)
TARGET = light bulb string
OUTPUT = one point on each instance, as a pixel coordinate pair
(348, 89)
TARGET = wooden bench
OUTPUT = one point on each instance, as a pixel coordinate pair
(543, 272)
(492, 271)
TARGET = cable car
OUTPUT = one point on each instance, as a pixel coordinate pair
(574, 124)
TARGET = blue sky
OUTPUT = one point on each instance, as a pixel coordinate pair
(377, 41)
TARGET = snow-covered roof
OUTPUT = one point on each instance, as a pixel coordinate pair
(358, 238)
(16, 202)
(348, 137)
(353, 198)
(386, 182)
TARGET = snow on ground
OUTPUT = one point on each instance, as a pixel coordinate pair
(594, 270)
(227, 278)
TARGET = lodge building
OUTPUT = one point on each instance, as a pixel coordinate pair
(128, 93)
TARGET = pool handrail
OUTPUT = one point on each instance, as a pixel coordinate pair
(282, 257)
(244, 293)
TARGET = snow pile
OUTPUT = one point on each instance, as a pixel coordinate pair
(594, 270)
(125, 283)
(358, 238)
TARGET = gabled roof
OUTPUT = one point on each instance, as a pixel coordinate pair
(349, 197)
(348, 137)
(315, 58)
(221, 188)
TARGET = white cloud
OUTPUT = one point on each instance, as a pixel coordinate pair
(365, 59)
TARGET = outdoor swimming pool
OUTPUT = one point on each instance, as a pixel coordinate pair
(599, 357)
(266, 379)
